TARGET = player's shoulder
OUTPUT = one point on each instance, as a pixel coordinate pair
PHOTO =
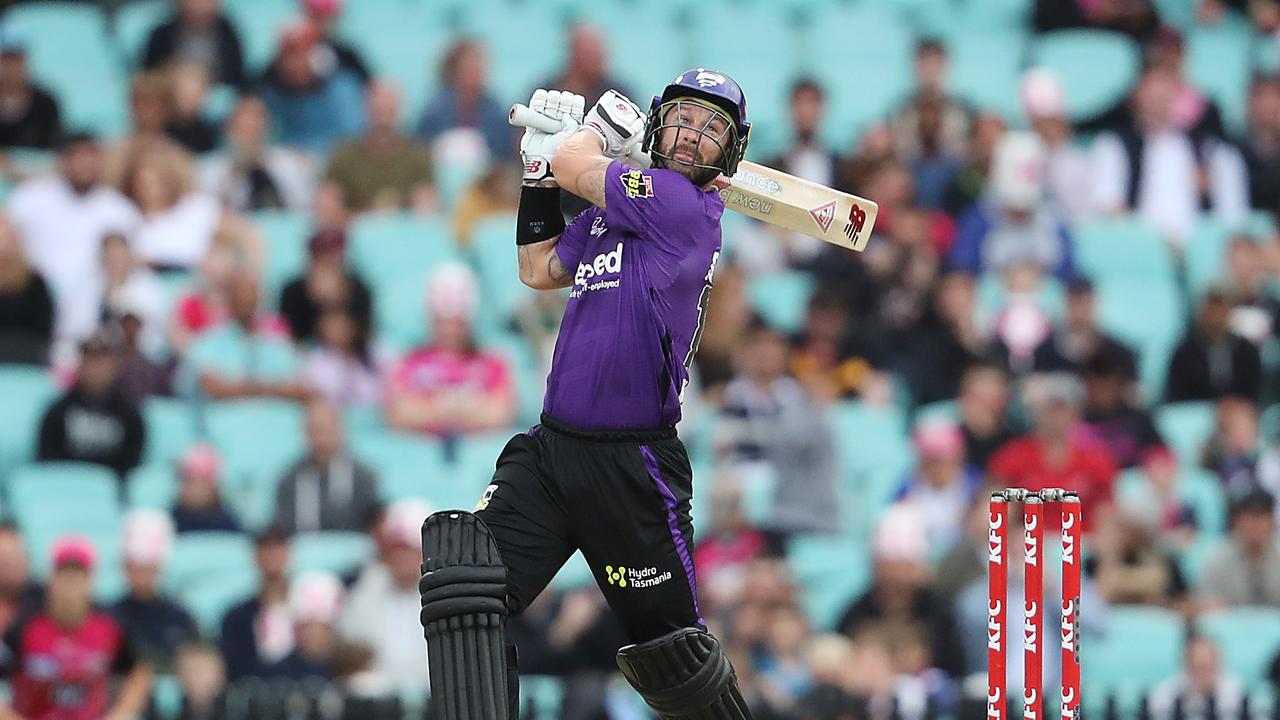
(660, 188)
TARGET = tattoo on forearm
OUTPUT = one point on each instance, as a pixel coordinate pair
(590, 182)
(526, 265)
(556, 269)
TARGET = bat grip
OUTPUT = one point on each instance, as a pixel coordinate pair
(523, 116)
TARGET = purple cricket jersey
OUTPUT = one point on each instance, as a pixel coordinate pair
(642, 276)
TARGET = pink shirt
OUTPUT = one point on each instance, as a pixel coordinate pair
(432, 371)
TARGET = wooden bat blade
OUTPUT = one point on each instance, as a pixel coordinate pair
(777, 198)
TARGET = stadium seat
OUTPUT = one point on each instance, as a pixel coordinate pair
(259, 23)
(473, 465)
(1097, 67)
(208, 598)
(1148, 315)
(863, 57)
(407, 465)
(1205, 253)
(505, 28)
(870, 437)
(1218, 59)
(200, 558)
(38, 493)
(575, 574)
(153, 486)
(133, 23)
(1122, 248)
(1141, 645)
(645, 61)
(329, 551)
(170, 429)
(27, 393)
(1186, 427)
(985, 66)
(285, 234)
(408, 59)
(1248, 639)
(782, 298)
(498, 267)
(832, 570)
(1269, 424)
(258, 440)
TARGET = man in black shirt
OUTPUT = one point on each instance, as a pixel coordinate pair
(29, 115)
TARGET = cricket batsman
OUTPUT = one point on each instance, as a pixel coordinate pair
(603, 471)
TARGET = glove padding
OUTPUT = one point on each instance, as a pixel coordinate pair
(618, 121)
(537, 147)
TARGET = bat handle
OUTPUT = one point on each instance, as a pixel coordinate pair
(523, 116)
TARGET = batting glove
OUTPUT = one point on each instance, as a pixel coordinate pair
(537, 147)
(618, 122)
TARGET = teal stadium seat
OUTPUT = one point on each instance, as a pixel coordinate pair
(258, 440)
(329, 551)
(985, 65)
(832, 571)
(133, 23)
(401, 41)
(497, 267)
(1187, 427)
(285, 235)
(1097, 67)
(473, 466)
(170, 429)
(1218, 61)
(27, 393)
(1205, 254)
(1141, 645)
(645, 61)
(1248, 639)
(1122, 248)
(153, 486)
(208, 598)
(782, 298)
(260, 23)
(60, 36)
(203, 557)
(407, 465)
(505, 27)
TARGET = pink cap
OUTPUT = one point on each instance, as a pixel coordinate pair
(148, 537)
(1042, 94)
(73, 549)
(323, 8)
(201, 460)
(315, 597)
(402, 524)
(900, 534)
(938, 438)
(452, 291)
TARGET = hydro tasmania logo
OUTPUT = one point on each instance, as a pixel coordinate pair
(637, 578)
(592, 275)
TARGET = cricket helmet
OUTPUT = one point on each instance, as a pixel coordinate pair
(708, 88)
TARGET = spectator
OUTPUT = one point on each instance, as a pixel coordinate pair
(586, 70)
(899, 592)
(383, 170)
(1212, 362)
(1014, 224)
(259, 632)
(1055, 454)
(151, 108)
(1162, 172)
(29, 115)
(783, 671)
(245, 356)
(26, 307)
(187, 125)
(726, 546)
(327, 284)
(835, 357)
(1232, 451)
(207, 305)
(199, 505)
(830, 697)
(178, 224)
(384, 600)
(203, 680)
(451, 385)
(251, 173)
(128, 282)
(154, 624)
(464, 102)
(970, 180)
(807, 156)
(984, 412)
(1245, 567)
(1201, 689)
(1261, 143)
(946, 342)
(1127, 564)
(932, 123)
(1020, 325)
(141, 376)
(198, 33)
(1250, 274)
(314, 602)
(21, 597)
(324, 15)
(494, 193)
(772, 422)
(965, 563)
(874, 149)
(1079, 339)
(328, 489)
(94, 421)
(346, 368)
(73, 645)
(62, 221)
(1124, 428)
(1067, 170)
(942, 488)
(1178, 522)
(312, 107)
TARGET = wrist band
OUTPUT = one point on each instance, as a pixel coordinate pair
(539, 217)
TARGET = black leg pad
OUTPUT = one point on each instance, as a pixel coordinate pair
(684, 676)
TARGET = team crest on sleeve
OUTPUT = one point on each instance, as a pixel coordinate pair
(637, 184)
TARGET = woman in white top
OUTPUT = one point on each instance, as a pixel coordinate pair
(345, 368)
(178, 224)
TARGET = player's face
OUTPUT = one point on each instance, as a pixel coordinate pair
(693, 135)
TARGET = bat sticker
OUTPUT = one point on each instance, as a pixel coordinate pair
(824, 214)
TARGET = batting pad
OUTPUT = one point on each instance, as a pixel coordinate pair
(684, 676)
(464, 603)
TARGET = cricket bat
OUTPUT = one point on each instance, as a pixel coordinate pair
(770, 196)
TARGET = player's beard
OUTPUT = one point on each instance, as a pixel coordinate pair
(699, 176)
